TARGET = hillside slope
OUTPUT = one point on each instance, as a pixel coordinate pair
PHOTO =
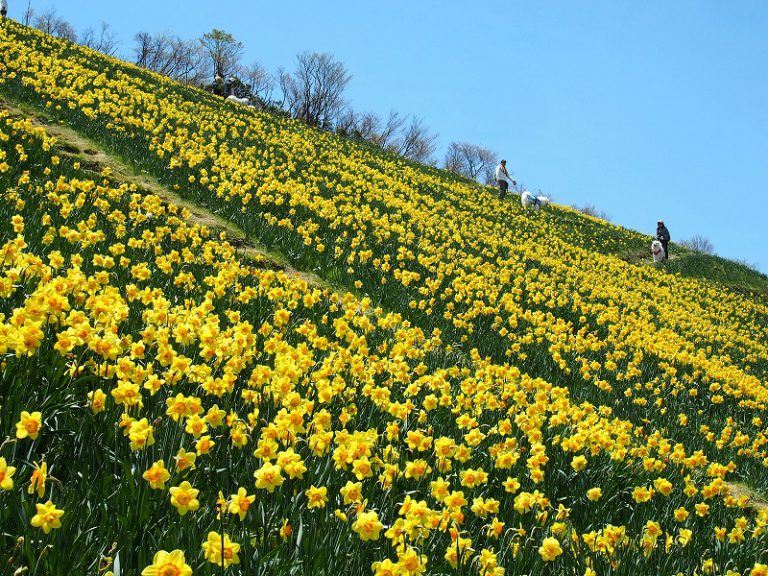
(524, 361)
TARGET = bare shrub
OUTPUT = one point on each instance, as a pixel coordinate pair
(471, 161)
(104, 41)
(592, 210)
(314, 91)
(698, 243)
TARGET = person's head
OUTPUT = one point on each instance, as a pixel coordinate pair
(660, 223)
(503, 162)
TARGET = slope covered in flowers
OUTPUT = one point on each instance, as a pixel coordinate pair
(503, 399)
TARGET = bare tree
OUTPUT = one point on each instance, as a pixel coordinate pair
(261, 82)
(416, 142)
(190, 67)
(144, 49)
(46, 22)
(224, 52)
(371, 127)
(51, 23)
(171, 56)
(106, 42)
(699, 243)
(65, 31)
(387, 136)
(471, 161)
(29, 13)
(188, 61)
(348, 123)
(314, 92)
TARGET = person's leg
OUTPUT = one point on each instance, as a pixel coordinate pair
(503, 186)
(665, 245)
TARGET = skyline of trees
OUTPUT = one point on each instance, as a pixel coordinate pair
(314, 91)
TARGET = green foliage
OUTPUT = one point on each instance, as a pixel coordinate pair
(734, 275)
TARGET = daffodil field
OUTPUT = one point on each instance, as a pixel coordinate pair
(492, 392)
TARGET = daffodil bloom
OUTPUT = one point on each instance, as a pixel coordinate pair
(352, 492)
(184, 498)
(168, 564)
(684, 536)
(195, 425)
(37, 480)
(157, 475)
(285, 530)
(578, 463)
(204, 445)
(642, 494)
(317, 497)
(28, 425)
(663, 485)
(495, 528)
(220, 550)
(47, 517)
(472, 478)
(594, 494)
(240, 502)
(141, 434)
(6, 475)
(97, 400)
(362, 468)
(185, 460)
(550, 549)
(511, 485)
(215, 416)
(438, 489)
(460, 550)
(410, 562)
(488, 561)
(653, 529)
(367, 526)
(735, 536)
(386, 568)
(681, 514)
(268, 477)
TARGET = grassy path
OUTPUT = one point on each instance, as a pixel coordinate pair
(94, 158)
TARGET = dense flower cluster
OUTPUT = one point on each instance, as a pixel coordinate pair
(502, 401)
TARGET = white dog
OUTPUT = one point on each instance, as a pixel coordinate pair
(236, 100)
(657, 251)
(536, 202)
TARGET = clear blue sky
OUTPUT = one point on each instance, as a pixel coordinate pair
(648, 110)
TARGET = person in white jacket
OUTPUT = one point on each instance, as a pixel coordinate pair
(503, 179)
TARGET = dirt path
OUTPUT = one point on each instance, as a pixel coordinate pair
(93, 157)
(754, 500)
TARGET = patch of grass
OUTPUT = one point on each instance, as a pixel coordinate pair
(733, 275)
